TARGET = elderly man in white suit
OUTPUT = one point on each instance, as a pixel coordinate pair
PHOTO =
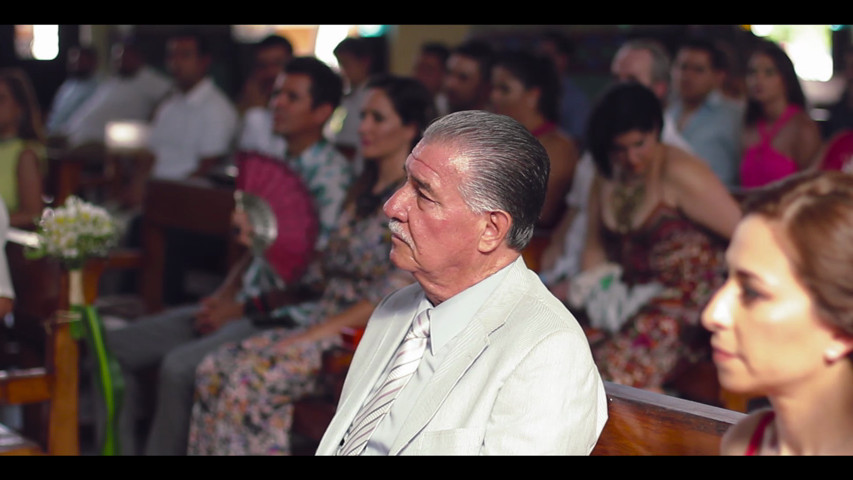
(507, 369)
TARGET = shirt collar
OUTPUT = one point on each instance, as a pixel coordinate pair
(454, 314)
(199, 91)
(714, 98)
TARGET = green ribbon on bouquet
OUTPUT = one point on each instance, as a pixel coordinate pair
(110, 380)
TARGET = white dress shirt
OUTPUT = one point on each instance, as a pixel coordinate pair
(256, 134)
(190, 126)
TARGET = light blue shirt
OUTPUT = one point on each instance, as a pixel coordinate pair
(70, 95)
(574, 110)
(714, 132)
(446, 321)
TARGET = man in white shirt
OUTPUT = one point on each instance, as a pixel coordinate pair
(256, 130)
(194, 128)
(507, 369)
(132, 93)
(178, 338)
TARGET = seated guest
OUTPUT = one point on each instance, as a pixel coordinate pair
(194, 128)
(779, 137)
(430, 68)
(22, 149)
(639, 60)
(526, 87)
(269, 57)
(492, 363)
(305, 96)
(132, 92)
(782, 324)
(649, 216)
(256, 134)
(574, 104)
(81, 82)
(245, 391)
(707, 119)
(841, 111)
(358, 60)
(467, 82)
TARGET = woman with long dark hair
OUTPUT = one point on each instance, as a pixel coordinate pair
(779, 138)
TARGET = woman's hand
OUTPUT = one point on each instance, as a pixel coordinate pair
(214, 312)
(312, 334)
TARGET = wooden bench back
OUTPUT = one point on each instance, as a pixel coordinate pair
(648, 423)
(640, 422)
(50, 386)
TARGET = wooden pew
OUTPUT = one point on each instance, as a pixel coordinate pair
(640, 422)
(49, 389)
(647, 423)
(195, 205)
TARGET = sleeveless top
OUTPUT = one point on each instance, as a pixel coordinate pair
(688, 261)
(10, 153)
(762, 164)
(758, 435)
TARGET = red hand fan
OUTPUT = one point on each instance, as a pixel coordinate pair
(281, 211)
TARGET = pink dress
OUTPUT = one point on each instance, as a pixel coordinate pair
(762, 164)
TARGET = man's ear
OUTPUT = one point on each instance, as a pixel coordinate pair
(496, 228)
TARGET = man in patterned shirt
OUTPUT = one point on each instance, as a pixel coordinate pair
(305, 96)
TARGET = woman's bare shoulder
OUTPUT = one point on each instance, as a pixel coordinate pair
(559, 141)
(736, 439)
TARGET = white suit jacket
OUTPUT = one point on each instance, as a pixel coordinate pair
(521, 381)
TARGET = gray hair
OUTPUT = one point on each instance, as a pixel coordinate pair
(507, 167)
(660, 57)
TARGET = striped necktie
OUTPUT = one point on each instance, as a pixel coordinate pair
(404, 364)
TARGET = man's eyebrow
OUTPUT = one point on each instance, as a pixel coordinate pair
(422, 185)
(419, 184)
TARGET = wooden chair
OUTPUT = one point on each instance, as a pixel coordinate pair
(647, 423)
(48, 390)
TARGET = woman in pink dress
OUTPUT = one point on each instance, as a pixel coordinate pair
(779, 138)
(782, 324)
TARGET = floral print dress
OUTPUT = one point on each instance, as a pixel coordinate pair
(245, 391)
(665, 334)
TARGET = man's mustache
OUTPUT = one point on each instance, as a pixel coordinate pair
(397, 229)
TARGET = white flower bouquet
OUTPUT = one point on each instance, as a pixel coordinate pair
(75, 232)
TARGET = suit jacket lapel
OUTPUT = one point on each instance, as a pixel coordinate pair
(470, 344)
(361, 379)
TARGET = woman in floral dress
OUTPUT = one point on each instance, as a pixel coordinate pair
(245, 391)
(664, 218)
